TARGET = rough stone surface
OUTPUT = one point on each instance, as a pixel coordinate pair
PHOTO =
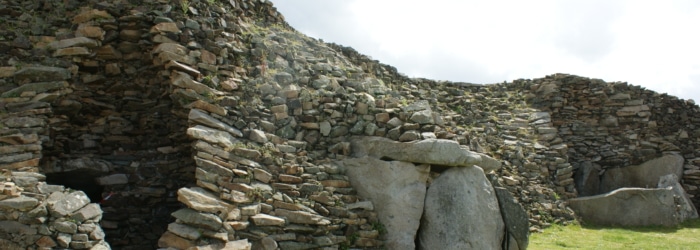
(123, 82)
(69, 203)
(685, 207)
(515, 220)
(41, 74)
(645, 175)
(19, 203)
(192, 217)
(431, 151)
(395, 188)
(461, 212)
(629, 207)
(210, 135)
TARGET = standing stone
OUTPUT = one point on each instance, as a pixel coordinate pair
(686, 209)
(515, 219)
(461, 212)
(395, 188)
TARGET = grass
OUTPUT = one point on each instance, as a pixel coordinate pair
(684, 236)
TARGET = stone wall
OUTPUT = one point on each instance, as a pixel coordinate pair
(221, 115)
(36, 215)
(82, 99)
(615, 125)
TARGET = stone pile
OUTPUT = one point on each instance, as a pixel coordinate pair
(36, 215)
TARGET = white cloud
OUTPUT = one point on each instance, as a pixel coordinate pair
(648, 43)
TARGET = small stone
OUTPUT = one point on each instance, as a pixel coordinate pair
(267, 220)
(73, 42)
(184, 231)
(45, 241)
(257, 136)
(90, 211)
(66, 227)
(262, 175)
(410, 135)
(80, 237)
(250, 210)
(72, 51)
(169, 239)
(64, 239)
(166, 28)
(41, 74)
(91, 14)
(21, 203)
(69, 203)
(269, 243)
(90, 31)
(302, 217)
(204, 220)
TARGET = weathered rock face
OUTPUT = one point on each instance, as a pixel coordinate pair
(429, 151)
(629, 207)
(515, 220)
(397, 190)
(461, 212)
(685, 208)
(644, 175)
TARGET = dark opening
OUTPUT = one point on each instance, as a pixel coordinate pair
(384, 158)
(79, 180)
(439, 168)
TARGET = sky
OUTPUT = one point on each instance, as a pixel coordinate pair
(654, 44)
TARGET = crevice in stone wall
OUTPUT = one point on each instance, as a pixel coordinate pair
(83, 180)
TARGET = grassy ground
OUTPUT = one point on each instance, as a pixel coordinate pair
(685, 236)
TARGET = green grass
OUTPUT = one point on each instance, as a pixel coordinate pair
(685, 236)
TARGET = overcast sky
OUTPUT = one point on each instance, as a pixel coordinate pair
(655, 44)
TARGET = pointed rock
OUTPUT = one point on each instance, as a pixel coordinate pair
(461, 212)
(394, 187)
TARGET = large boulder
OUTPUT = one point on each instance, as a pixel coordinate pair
(644, 175)
(429, 151)
(515, 219)
(629, 207)
(397, 190)
(461, 212)
(686, 209)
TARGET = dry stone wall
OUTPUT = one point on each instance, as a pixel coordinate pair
(213, 124)
(35, 215)
(615, 125)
